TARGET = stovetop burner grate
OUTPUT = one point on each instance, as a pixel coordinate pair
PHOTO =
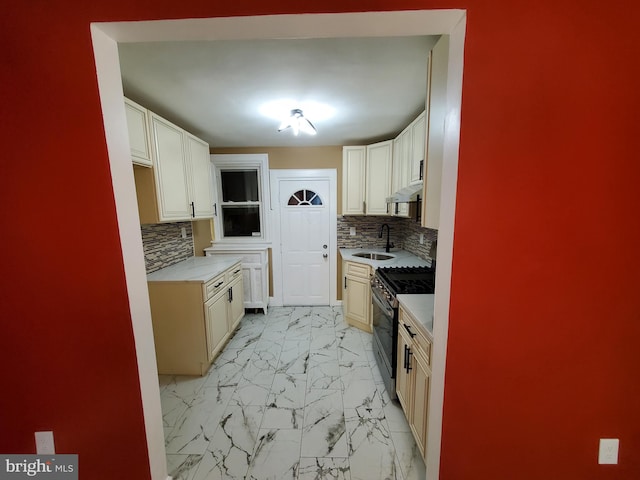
(413, 280)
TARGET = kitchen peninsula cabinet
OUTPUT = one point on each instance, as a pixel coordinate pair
(195, 307)
(177, 187)
(413, 378)
(255, 271)
(356, 295)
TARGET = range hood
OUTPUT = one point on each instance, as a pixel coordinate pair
(406, 194)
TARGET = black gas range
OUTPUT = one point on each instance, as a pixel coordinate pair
(387, 283)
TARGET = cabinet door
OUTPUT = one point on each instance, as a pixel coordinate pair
(420, 401)
(358, 303)
(437, 93)
(418, 147)
(169, 170)
(138, 127)
(403, 384)
(216, 324)
(405, 167)
(353, 179)
(200, 185)
(236, 304)
(378, 186)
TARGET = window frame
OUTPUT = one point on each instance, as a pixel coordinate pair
(241, 162)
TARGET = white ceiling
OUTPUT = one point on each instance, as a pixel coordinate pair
(215, 89)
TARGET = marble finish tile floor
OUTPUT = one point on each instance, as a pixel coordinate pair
(295, 394)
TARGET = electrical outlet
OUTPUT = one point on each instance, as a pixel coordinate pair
(352, 231)
(183, 232)
(422, 239)
(608, 452)
(44, 443)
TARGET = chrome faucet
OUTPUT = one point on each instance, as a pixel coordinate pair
(388, 246)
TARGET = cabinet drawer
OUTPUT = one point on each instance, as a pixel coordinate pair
(419, 340)
(245, 257)
(357, 270)
(234, 272)
(423, 344)
(214, 286)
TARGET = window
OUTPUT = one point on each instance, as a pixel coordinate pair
(240, 182)
(304, 197)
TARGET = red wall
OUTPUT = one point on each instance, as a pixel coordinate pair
(545, 313)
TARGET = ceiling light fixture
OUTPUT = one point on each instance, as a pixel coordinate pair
(298, 123)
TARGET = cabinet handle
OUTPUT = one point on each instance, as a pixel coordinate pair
(193, 210)
(404, 365)
(231, 294)
(345, 283)
(408, 353)
(408, 329)
(421, 169)
(217, 285)
(215, 209)
(236, 271)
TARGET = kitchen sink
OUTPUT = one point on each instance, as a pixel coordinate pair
(373, 256)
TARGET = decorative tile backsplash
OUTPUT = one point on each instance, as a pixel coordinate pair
(404, 233)
(163, 244)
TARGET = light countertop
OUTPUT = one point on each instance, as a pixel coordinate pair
(401, 258)
(194, 269)
(421, 308)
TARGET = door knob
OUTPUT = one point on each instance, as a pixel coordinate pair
(324, 255)
(324, 246)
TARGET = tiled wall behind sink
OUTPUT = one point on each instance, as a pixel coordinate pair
(411, 234)
(367, 230)
(163, 244)
(405, 234)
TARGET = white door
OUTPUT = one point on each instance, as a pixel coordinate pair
(305, 238)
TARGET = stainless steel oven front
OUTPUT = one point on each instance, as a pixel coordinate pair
(385, 336)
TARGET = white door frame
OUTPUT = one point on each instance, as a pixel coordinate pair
(106, 36)
(276, 252)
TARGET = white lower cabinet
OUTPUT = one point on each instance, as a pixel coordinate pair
(255, 271)
(413, 377)
(236, 297)
(356, 295)
(193, 320)
(216, 322)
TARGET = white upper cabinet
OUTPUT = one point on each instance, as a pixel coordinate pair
(401, 169)
(418, 147)
(199, 175)
(378, 178)
(170, 170)
(177, 187)
(366, 178)
(138, 126)
(436, 98)
(354, 164)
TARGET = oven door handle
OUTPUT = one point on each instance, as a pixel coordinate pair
(388, 311)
